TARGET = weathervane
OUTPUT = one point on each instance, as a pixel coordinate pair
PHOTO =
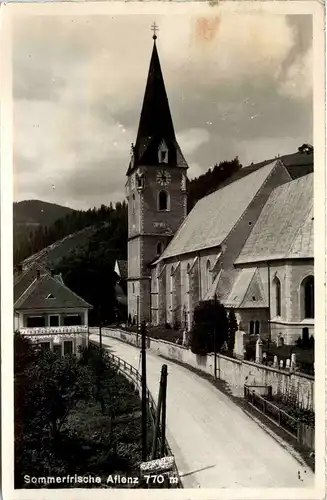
(154, 28)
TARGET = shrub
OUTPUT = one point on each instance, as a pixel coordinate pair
(210, 325)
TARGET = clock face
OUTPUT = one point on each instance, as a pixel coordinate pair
(163, 177)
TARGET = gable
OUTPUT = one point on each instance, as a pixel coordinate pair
(254, 295)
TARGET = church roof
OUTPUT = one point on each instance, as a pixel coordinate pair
(285, 227)
(156, 123)
(214, 216)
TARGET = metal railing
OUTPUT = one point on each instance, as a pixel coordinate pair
(303, 433)
(135, 377)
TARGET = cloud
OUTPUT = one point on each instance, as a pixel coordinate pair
(77, 101)
(190, 140)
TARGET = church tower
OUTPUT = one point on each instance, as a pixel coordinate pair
(155, 188)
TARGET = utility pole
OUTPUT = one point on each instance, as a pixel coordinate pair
(163, 413)
(161, 399)
(144, 395)
(100, 328)
(215, 343)
(137, 319)
(269, 307)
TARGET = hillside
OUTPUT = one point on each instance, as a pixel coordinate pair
(37, 212)
(29, 215)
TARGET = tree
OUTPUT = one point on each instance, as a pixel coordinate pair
(47, 388)
(232, 327)
(209, 322)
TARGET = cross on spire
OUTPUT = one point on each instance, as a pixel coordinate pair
(154, 28)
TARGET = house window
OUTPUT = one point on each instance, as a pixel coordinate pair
(50, 296)
(277, 289)
(133, 204)
(163, 200)
(35, 321)
(251, 330)
(72, 320)
(68, 347)
(54, 320)
(57, 349)
(307, 292)
(257, 327)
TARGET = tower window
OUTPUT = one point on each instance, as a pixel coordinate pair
(251, 327)
(163, 153)
(133, 204)
(163, 200)
(159, 248)
(163, 156)
(257, 327)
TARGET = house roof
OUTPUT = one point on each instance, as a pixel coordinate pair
(284, 229)
(156, 123)
(34, 293)
(25, 279)
(214, 216)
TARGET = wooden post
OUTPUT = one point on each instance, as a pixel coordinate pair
(144, 395)
(269, 307)
(163, 413)
(158, 415)
(215, 351)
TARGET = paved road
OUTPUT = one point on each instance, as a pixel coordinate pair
(216, 445)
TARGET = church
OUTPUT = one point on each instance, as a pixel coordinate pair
(249, 244)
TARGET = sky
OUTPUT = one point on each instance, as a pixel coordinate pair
(237, 84)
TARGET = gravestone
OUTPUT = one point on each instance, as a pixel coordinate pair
(239, 345)
(258, 351)
(293, 361)
(275, 362)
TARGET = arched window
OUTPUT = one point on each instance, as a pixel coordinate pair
(251, 332)
(163, 200)
(277, 291)
(133, 204)
(257, 327)
(188, 295)
(208, 274)
(159, 248)
(308, 297)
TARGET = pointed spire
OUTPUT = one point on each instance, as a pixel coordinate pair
(155, 118)
(156, 124)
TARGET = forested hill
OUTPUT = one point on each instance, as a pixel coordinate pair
(38, 212)
(73, 222)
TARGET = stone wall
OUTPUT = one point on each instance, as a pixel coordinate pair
(234, 372)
